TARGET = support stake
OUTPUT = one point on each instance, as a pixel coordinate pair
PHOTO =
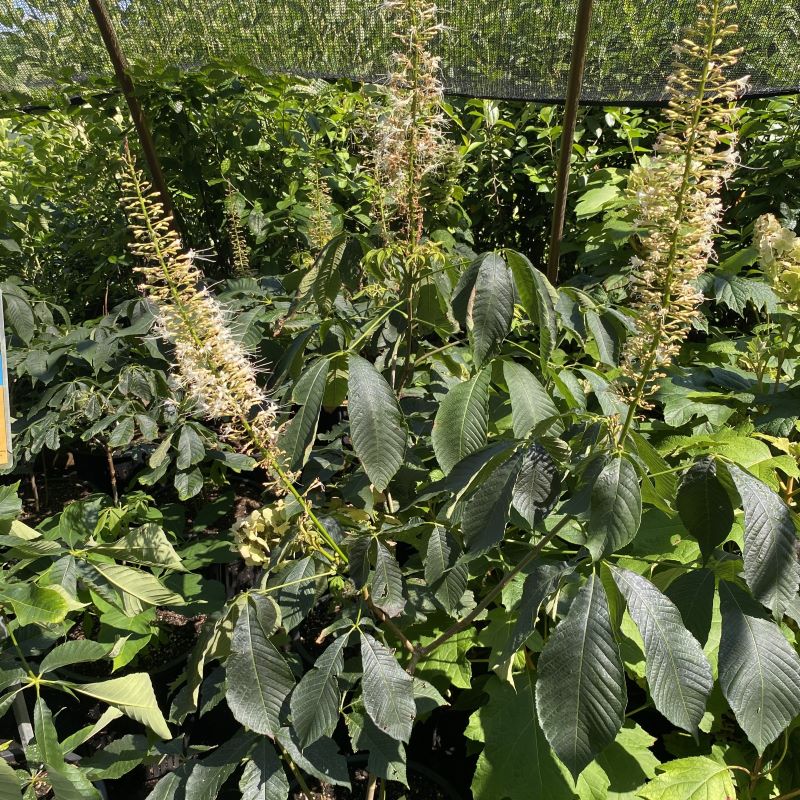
(122, 71)
(580, 42)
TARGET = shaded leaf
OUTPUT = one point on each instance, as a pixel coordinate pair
(771, 568)
(485, 515)
(443, 571)
(387, 756)
(580, 692)
(315, 700)
(321, 759)
(461, 424)
(678, 673)
(759, 671)
(693, 594)
(615, 509)
(387, 583)
(377, 425)
(537, 487)
(704, 506)
(387, 690)
(264, 777)
(210, 773)
(258, 678)
(516, 761)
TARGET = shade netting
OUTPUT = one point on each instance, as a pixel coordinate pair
(491, 48)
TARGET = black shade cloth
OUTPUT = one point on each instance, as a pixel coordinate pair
(491, 48)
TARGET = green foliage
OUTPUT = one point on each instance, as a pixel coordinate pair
(471, 536)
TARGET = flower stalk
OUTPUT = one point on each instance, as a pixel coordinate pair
(212, 367)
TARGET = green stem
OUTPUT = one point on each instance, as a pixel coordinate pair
(298, 776)
(466, 621)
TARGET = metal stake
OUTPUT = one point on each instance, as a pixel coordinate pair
(122, 70)
(580, 42)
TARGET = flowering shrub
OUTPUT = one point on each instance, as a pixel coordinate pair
(428, 502)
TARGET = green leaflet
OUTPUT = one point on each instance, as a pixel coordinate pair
(315, 699)
(704, 505)
(491, 309)
(444, 573)
(486, 513)
(696, 778)
(210, 773)
(386, 689)
(678, 673)
(133, 695)
(263, 777)
(259, 679)
(538, 299)
(461, 424)
(580, 692)
(771, 568)
(387, 582)
(759, 671)
(516, 761)
(298, 436)
(377, 425)
(530, 403)
(616, 508)
(387, 756)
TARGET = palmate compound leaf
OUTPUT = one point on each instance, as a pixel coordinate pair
(771, 568)
(678, 673)
(377, 425)
(759, 671)
(315, 700)
(580, 693)
(615, 509)
(704, 505)
(258, 678)
(387, 690)
(461, 424)
(696, 778)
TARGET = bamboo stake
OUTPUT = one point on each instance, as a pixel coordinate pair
(140, 122)
(580, 42)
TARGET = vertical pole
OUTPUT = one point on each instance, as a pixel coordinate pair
(580, 42)
(122, 70)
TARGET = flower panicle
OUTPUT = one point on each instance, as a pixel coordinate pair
(210, 364)
(677, 192)
(240, 252)
(410, 144)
